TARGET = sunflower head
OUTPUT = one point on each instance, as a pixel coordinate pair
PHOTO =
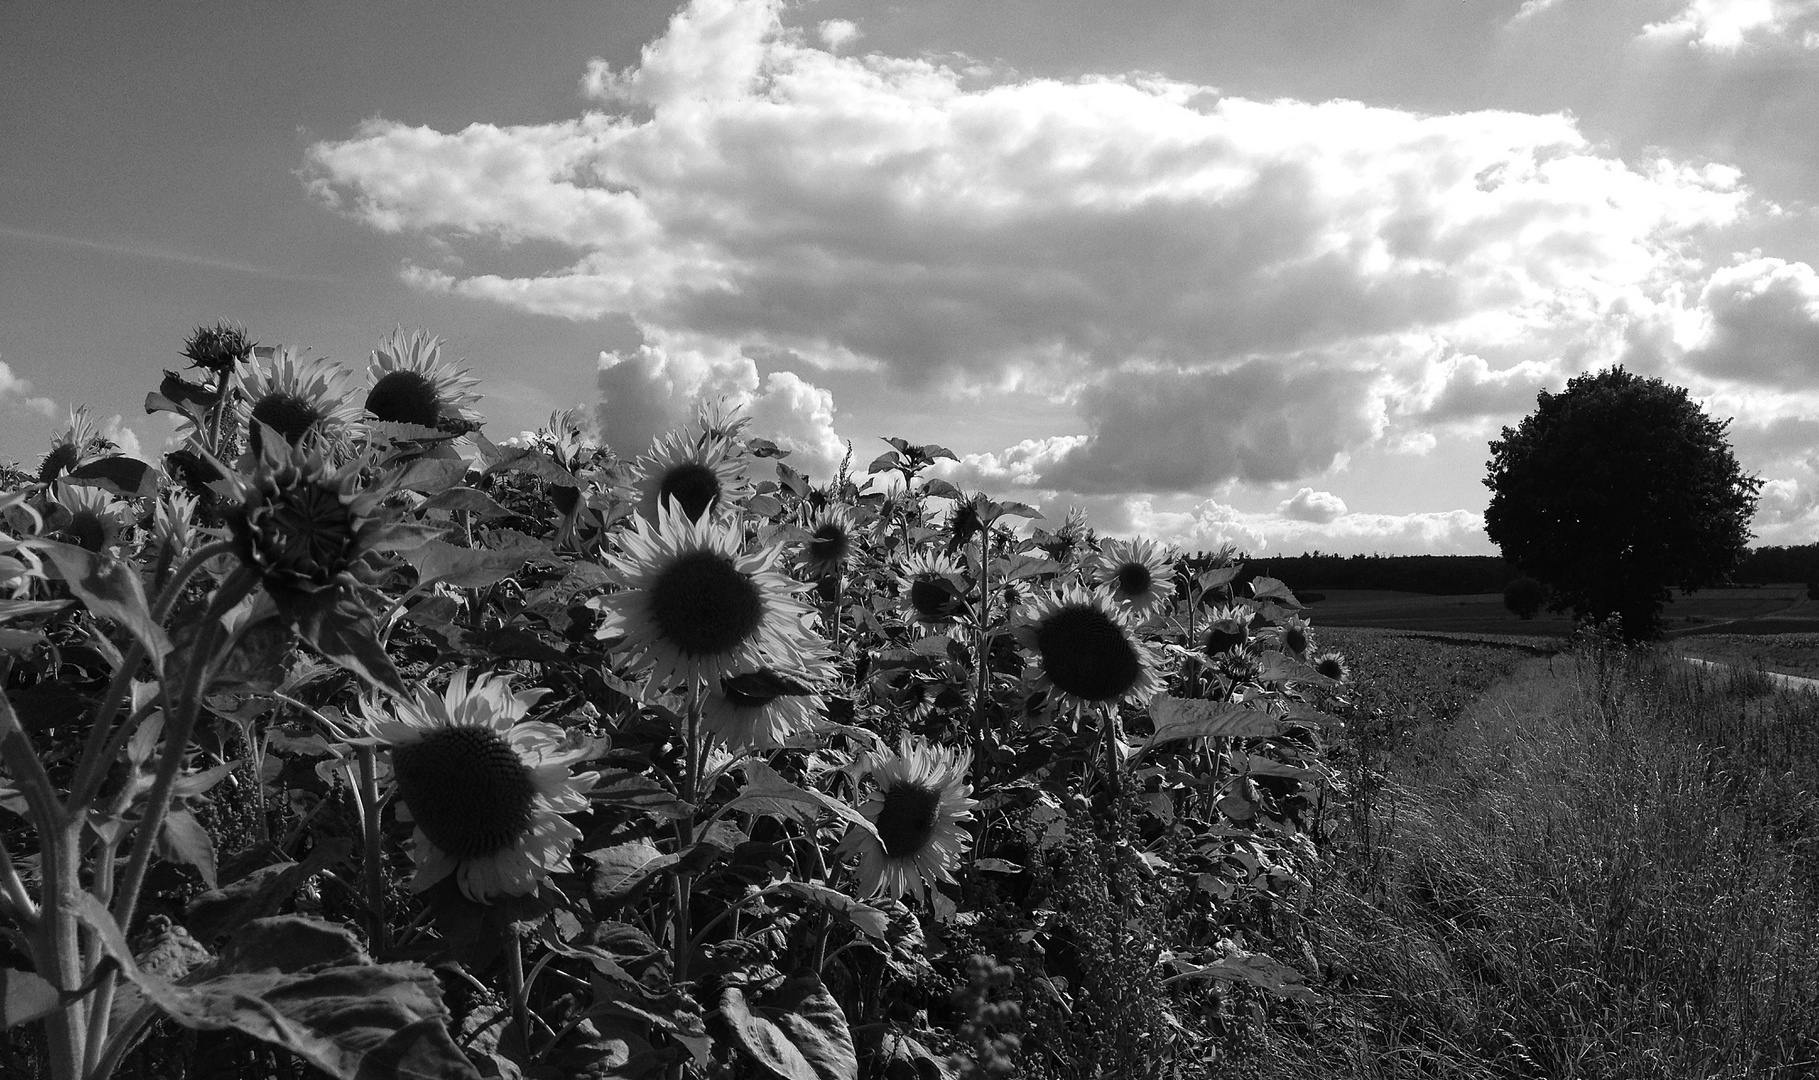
(298, 398)
(1139, 574)
(80, 442)
(1297, 639)
(1227, 628)
(760, 709)
(700, 476)
(829, 543)
(305, 526)
(174, 523)
(1085, 650)
(1332, 666)
(219, 348)
(410, 383)
(692, 605)
(920, 798)
(484, 787)
(88, 517)
(934, 594)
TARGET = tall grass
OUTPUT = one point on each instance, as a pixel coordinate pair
(1607, 868)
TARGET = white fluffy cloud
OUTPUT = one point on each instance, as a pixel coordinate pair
(1726, 26)
(1319, 507)
(1761, 324)
(1223, 288)
(1208, 524)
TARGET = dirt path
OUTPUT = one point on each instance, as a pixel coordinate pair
(1788, 682)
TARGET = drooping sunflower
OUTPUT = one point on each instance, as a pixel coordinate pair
(87, 517)
(80, 442)
(920, 797)
(934, 593)
(1139, 573)
(760, 710)
(1227, 627)
(830, 541)
(691, 606)
(485, 788)
(308, 527)
(699, 476)
(301, 397)
(410, 383)
(1085, 651)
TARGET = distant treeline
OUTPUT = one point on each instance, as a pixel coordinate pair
(1449, 575)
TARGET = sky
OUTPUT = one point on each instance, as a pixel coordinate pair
(1268, 272)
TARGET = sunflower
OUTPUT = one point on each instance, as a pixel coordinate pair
(219, 348)
(830, 542)
(308, 528)
(485, 788)
(174, 526)
(82, 441)
(933, 591)
(760, 709)
(698, 476)
(410, 383)
(88, 517)
(692, 607)
(1085, 650)
(1332, 666)
(1227, 628)
(1139, 573)
(300, 397)
(1296, 637)
(920, 798)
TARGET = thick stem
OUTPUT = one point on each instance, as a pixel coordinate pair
(514, 980)
(685, 838)
(379, 929)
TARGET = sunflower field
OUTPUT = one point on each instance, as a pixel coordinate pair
(345, 740)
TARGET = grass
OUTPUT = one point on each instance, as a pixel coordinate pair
(1788, 654)
(1484, 613)
(1608, 866)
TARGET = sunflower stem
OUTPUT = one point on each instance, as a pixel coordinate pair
(685, 838)
(514, 979)
(375, 856)
(981, 725)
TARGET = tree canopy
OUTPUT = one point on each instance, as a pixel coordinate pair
(1616, 490)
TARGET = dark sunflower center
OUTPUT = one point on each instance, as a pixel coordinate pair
(1330, 667)
(88, 530)
(62, 458)
(930, 597)
(1133, 579)
(829, 544)
(694, 486)
(1220, 639)
(1087, 654)
(704, 606)
(1295, 638)
(404, 397)
(287, 414)
(467, 789)
(906, 822)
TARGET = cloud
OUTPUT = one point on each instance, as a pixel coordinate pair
(1319, 507)
(1727, 26)
(1223, 288)
(1207, 524)
(16, 393)
(1761, 324)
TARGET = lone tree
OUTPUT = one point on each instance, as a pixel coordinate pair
(1615, 490)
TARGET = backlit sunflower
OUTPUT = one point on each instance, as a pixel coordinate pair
(692, 607)
(82, 441)
(410, 383)
(300, 397)
(1085, 651)
(933, 592)
(1332, 665)
(174, 527)
(920, 797)
(1227, 628)
(485, 788)
(699, 476)
(759, 710)
(1139, 574)
(87, 517)
(1296, 637)
(830, 541)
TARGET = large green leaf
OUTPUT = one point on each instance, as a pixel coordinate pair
(308, 987)
(766, 792)
(258, 894)
(25, 997)
(344, 631)
(800, 1034)
(467, 568)
(1195, 718)
(126, 477)
(111, 589)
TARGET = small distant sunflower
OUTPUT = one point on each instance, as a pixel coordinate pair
(1085, 650)
(307, 527)
(760, 710)
(88, 517)
(300, 397)
(698, 476)
(920, 798)
(1227, 628)
(829, 543)
(485, 788)
(1332, 666)
(933, 591)
(411, 384)
(692, 607)
(82, 441)
(1139, 573)
(1296, 637)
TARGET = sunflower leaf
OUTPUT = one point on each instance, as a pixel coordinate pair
(1195, 718)
(126, 477)
(800, 1034)
(463, 567)
(345, 633)
(25, 997)
(869, 920)
(184, 840)
(623, 870)
(1269, 588)
(471, 500)
(766, 792)
(110, 588)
